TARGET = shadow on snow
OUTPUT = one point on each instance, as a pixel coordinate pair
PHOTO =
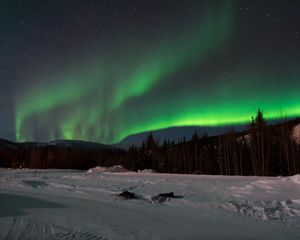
(15, 205)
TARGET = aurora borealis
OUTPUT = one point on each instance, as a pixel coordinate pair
(103, 70)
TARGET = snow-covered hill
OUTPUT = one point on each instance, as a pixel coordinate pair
(67, 204)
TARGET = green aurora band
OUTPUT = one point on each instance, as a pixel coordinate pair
(223, 106)
(94, 101)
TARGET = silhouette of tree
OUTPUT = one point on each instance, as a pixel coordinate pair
(260, 121)
(260, 145)
(150, 144)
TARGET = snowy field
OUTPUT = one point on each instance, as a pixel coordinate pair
(62, 204)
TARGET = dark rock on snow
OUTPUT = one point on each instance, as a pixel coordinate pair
(128, 195)
(163, 197)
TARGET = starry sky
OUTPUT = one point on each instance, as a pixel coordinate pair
(102, 70)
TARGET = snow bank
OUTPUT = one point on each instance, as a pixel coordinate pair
(265, 210)
(147, 171)
(295, 178)
(296, 134)
(114, 169)
(266, 199)
(97, 169)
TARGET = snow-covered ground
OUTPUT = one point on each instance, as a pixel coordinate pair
(62, 204)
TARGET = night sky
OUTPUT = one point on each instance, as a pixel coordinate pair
(103, 70)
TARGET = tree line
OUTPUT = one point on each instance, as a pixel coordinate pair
(261, 150)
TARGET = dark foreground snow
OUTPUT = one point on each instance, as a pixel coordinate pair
(58, 204)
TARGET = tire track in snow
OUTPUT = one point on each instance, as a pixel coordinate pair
(26, 229)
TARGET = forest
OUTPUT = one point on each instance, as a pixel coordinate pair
(261, 150)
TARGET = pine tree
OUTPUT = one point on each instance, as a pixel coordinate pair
(260, 121)
(151, 152)
(150, 144)
(260, 145)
